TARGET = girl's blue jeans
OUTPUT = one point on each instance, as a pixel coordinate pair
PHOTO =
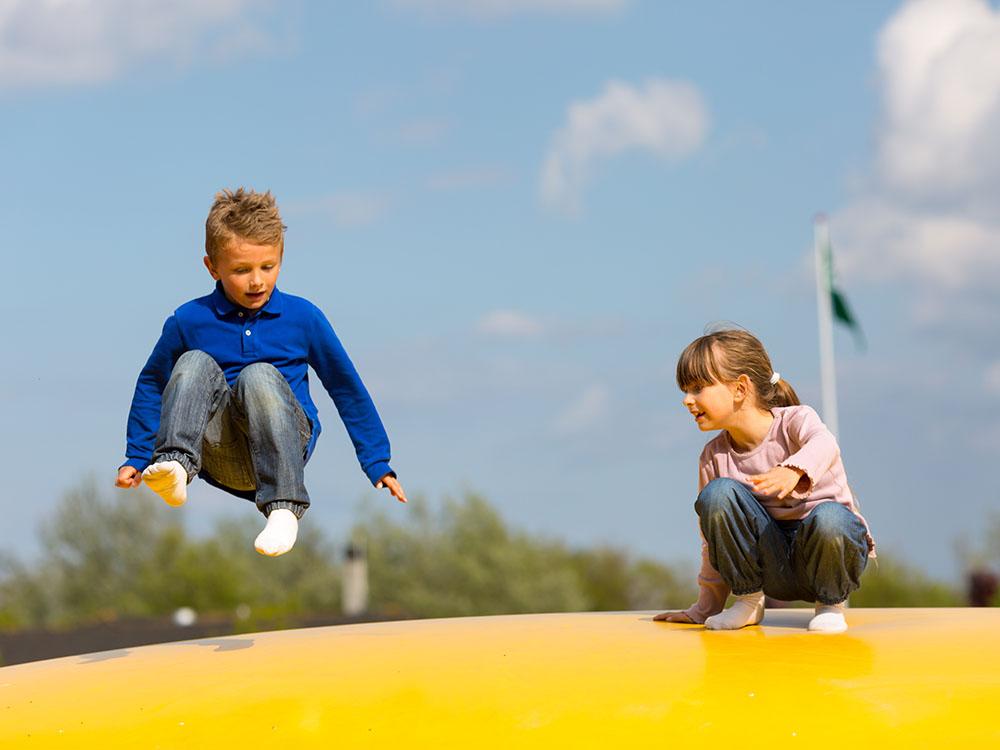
(818, 559)
(249, 440)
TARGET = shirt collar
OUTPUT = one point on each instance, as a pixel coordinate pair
(224, 307)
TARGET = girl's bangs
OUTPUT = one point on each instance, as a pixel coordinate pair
(696, 367)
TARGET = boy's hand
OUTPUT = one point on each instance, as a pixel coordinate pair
(391, 484)
(779, 481)
(128, 477)
(673, 617)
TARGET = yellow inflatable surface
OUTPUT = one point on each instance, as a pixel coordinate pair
(898, 678)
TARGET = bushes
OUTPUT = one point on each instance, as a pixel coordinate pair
(888, 582)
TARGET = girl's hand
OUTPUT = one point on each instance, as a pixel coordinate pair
(779, 481)
(674, 617)
(128, 477)
(390, 483)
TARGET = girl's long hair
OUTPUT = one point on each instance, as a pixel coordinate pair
(722, 356)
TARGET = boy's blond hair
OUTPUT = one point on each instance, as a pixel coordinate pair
(246, 215)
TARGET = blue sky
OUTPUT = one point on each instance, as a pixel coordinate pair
(516, 214)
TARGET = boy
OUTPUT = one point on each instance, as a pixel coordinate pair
(225, 393)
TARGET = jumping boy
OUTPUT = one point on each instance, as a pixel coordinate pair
(225, 393)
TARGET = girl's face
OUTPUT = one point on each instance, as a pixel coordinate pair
(713, 405)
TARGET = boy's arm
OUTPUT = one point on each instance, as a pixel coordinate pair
(144, 415)
(341, 380)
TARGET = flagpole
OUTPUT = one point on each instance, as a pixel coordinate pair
(824, 309)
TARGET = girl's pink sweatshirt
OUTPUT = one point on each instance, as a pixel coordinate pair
(797, 439)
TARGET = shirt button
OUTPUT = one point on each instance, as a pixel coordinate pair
(248, 333)
(241, 315)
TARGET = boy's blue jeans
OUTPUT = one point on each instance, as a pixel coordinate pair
(249, 440)
(818, 559)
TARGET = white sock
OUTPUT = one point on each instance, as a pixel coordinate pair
(168, 480)
(829, 618)
(747, 610)
(279, 535)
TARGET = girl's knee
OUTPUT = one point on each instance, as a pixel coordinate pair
(832, 520)
(832, 526)
(717, 496)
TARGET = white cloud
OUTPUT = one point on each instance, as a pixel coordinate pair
(355, 209)
(506, 323)
(346, 208)
(465, 179)
(992, 378)
(584, 411)
(666, 118)
(497, 8)
(87, 41)
(927, 210)
(510, 324)
(939, 63)
(944, 251)
(422, 131)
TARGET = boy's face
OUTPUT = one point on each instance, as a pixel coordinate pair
(248, 272)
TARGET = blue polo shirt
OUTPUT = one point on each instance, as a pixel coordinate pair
(290, 333)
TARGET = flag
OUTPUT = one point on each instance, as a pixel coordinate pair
(838, 302)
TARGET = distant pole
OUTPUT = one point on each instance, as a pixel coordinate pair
(355, 582)
(824, 309)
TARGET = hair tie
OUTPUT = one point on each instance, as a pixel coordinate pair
(775, 377)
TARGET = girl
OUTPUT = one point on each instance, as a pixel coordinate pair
(775, 510)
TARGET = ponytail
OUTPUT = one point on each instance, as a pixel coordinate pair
(783, 395)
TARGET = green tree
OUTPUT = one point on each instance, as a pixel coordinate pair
(463, 560)
(25, 600)
(653, 585)
(983, 555)
(888, 582)
(97, 553)
(613, 580)
(129, 556)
